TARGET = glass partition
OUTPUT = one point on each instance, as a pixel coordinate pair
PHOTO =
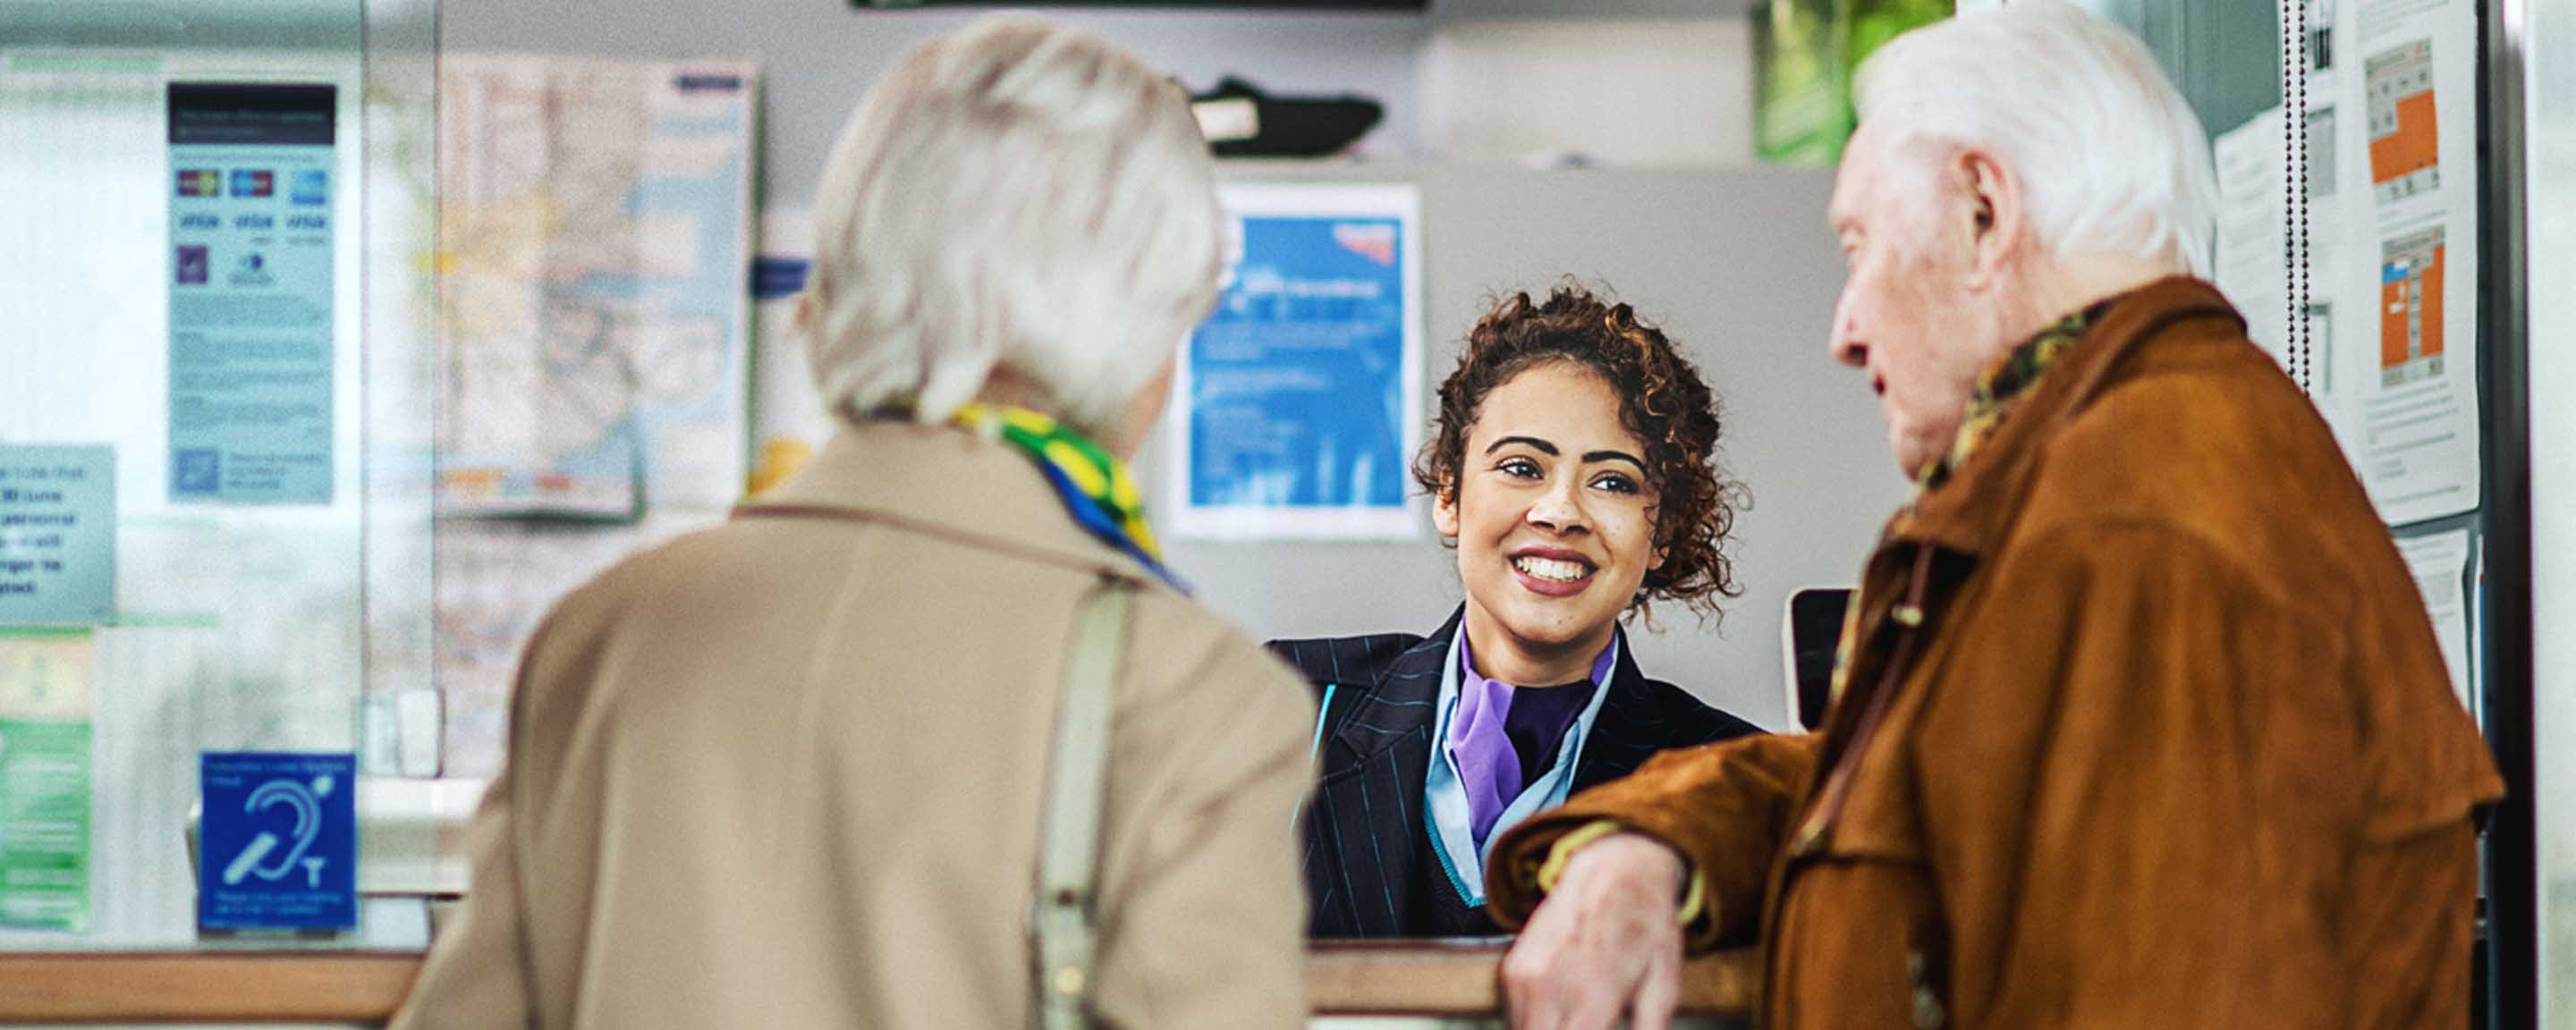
(214, 415)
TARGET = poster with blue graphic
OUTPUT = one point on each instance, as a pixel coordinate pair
(1298, 403)
(277, 841)
(251, 255)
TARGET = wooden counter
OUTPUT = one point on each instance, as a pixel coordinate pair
(1427, 979)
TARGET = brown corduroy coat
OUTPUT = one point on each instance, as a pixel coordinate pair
(2145, 727)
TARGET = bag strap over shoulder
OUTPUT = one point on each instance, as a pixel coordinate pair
(1069, 850)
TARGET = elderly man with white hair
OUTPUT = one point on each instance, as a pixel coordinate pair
(2138, 719)
(794, 771)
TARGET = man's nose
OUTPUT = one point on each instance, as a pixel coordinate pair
(1847, 348)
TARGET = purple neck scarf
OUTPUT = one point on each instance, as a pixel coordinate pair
(1482, 732)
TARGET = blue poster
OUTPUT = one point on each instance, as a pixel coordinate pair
(1298, 401)
(251, 257)
(57, 535)
(278, 841)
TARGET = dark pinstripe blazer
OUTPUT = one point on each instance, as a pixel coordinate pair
(1364, 823)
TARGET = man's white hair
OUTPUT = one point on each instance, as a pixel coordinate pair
(1013, 196)
(2110, 156)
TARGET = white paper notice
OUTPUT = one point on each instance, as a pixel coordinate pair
(2440, 563)
(2250, 237)
(2407, 384)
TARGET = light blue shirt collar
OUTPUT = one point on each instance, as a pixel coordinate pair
(1444, 803)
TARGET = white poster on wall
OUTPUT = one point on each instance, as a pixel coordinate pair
(2407, 379)
(2440, 564)
(1297, 404)
(2391, 219)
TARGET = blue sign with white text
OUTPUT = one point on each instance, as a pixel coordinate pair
(1297, 397)
(277, 844)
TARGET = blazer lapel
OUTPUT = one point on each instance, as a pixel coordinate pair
(1367, 818)
(1631, 728)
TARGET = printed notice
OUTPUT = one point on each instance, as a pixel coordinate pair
(2405, 139)
(2440, 562)
(250, 293)
(45, 774)
(2410, 308)
(57, 535)
(1297, 401)
(2405, 280)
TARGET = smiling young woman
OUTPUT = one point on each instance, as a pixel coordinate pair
(1573, 465)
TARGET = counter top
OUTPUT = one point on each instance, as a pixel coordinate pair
(1343, 978)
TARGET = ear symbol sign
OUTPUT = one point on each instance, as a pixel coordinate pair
(304, 803)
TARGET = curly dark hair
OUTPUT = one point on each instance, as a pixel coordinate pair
(1661, 399)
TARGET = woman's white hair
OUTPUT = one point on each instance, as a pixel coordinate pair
(1013, 196)
(2111, 158)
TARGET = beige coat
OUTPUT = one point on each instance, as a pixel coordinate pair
(786, 773)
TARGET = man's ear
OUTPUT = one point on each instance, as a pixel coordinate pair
(1997, 217)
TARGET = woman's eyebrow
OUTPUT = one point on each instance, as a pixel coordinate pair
(1542, 446)
(1593, 456)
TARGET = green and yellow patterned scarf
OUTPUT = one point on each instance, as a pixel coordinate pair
(1094, 486)
(2003, 383)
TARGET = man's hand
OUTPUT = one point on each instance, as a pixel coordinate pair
(1606, 942)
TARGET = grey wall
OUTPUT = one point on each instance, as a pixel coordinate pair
(1736, 265)
(817, 57)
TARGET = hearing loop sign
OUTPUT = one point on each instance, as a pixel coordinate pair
(278, 845)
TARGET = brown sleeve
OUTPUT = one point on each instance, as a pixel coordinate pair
(1726, 807)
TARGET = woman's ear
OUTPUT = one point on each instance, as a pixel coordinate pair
(1444, 509)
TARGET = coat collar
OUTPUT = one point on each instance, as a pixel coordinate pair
(1969, 512)
(945, 482)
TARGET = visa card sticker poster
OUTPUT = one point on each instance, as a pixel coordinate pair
(1298, 403)
(251, 292)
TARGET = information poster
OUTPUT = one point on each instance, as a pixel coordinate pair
(594, 350)
(57, 535)
(45, 777)
(251, 226)
(594, 326)
(2409, 267)
(2440, 564)
(2393, 244)
(1298, 403)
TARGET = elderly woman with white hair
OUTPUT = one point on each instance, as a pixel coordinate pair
(2138, 719)
(811, 768)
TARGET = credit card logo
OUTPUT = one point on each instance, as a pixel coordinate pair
(200, 182)
(254, 182)
(192, 266)
(312, 187)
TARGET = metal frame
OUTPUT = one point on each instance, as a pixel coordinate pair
(2505, 506)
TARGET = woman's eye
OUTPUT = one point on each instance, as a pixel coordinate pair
(1617, 484)
(1521, 468)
